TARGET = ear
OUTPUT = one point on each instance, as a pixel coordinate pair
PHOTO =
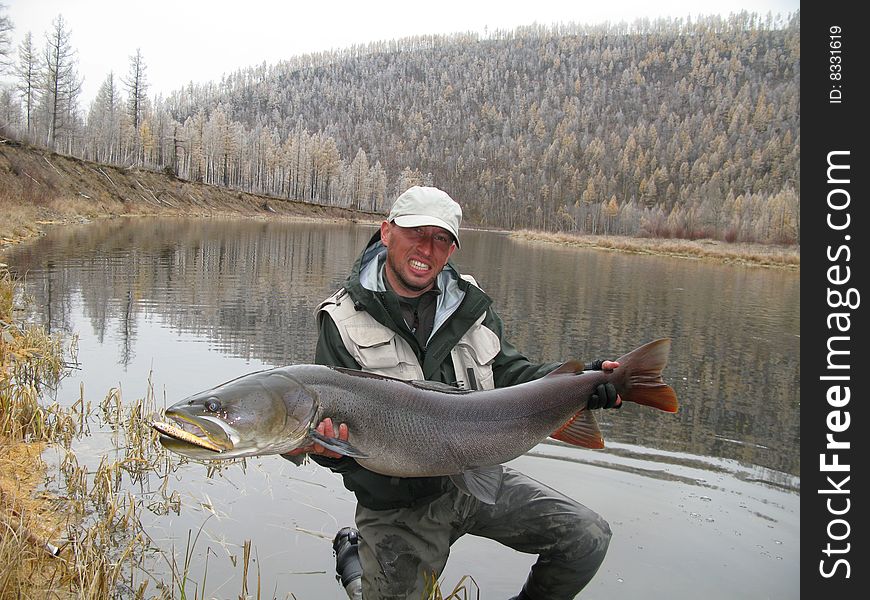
(385, 233)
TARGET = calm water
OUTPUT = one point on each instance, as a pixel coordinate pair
(704, 503)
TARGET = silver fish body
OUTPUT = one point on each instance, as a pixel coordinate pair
(409, 429)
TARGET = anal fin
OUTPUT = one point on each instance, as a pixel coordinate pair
(581, 430)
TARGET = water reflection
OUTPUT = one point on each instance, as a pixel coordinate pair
(249, 288)
(187, 304)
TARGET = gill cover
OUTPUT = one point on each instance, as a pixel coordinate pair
(301, 404)
(267, 412)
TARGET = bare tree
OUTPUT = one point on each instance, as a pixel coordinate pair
(137, 98)
(104, 123)
(360, 185)
(61, 84)
(6, 27)
(27, 73)
(672, 128)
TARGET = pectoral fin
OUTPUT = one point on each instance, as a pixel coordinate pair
(484, 483)
(336, 445)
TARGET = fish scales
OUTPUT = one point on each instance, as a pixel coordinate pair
(409, 429)
(412, 431)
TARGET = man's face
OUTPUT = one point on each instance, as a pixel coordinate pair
(415, 256)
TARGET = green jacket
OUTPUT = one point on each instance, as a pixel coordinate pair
(380, 492)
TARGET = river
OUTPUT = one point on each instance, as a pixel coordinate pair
(703, 503)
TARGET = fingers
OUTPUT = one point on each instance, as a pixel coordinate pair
(326, 428)
(609, 365)
(611, 398)
(604, 396)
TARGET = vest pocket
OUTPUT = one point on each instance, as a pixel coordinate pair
(375, 347)
(476, 350)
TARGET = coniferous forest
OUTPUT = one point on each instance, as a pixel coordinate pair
(683, 128)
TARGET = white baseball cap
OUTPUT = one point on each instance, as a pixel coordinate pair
(422, 206)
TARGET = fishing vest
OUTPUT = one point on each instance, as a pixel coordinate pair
(379, 349)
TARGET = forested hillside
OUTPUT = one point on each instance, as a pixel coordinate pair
(687, 128)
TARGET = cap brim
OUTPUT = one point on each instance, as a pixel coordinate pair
(426, 221)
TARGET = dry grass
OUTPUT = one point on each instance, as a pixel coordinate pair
(86, 539)
(74, 546)
(29, 524)
(764, 255)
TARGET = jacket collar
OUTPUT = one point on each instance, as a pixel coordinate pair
(365, 284)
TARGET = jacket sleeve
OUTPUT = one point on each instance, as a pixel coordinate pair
(510, 366)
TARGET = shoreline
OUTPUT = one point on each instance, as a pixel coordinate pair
(40, 190)
(759, 255)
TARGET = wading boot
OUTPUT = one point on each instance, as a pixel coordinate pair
(347, 566)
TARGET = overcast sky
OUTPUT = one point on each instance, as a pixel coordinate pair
(194, 40)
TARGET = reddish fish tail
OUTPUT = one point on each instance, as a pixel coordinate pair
(639, 376)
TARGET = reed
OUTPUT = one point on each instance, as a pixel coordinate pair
(78, 533)
(465, 589)
(85, 540)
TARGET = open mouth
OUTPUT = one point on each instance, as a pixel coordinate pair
(418, 265)
(187, 432)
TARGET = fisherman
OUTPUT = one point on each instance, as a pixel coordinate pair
(406, 312)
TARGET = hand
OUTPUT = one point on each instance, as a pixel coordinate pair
(602, 365)
(326, 429)
(604, 396)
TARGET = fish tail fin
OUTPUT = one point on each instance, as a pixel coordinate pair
(639, 376)
(581, 430)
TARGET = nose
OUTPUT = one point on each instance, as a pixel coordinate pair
(426, 244)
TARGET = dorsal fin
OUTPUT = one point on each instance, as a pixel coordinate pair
(423, 384)
(570, 367)
(437, 386)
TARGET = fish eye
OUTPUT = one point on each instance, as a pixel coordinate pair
(213, 405)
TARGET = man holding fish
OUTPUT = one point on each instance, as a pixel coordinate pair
(405, 312)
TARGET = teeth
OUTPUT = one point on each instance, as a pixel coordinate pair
(420, 266)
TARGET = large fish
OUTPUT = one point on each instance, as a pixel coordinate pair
(408, 429)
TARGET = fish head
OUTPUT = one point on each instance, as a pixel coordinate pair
(267, 412)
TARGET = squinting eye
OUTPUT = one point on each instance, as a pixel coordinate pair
(442, 240)
(212, 405)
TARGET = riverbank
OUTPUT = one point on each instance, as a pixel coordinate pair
(762, 255)
(40, 190)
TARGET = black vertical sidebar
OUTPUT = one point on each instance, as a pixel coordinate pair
(835, 423)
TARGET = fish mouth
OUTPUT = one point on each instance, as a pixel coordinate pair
(191, 434)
